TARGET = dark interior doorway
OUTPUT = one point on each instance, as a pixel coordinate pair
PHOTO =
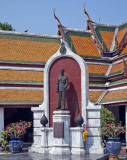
(15, 115)
(122, 119)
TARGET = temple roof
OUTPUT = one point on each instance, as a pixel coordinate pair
(103, 47)
(22, 60)
(27, 48)
(104, 57)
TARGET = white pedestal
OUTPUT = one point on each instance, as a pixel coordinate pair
(77, 143)
(62, 145)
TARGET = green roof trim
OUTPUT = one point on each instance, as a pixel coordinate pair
(20, 102)
(118, 82)
(113, 100)
(122, 27)
(96, 74)
(22, 62)
(95, 57)
(100, 28)
(96, 84)
(28, 38)
(21, 82)
(80, 34)
(104, 28)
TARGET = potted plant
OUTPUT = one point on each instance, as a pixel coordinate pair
(16, 131)
(112, 131)
(107, 117)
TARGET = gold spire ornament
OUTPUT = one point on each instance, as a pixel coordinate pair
(59, 23)
(88, 17)
(91, 28)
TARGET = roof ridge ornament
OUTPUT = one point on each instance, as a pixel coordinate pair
(90, 27)
(88, 17)
(125, 67)
(59, 23)
(60, 27)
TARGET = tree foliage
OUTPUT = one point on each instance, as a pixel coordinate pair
(107, 117)
(6, 26)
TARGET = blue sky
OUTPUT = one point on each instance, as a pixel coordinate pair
(37, 15)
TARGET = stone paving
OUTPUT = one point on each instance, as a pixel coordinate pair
(38, 156)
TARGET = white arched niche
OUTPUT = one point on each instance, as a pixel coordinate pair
(84, 80)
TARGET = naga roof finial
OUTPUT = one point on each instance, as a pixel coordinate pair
(59, 24)
(88, 18)
(55, 16)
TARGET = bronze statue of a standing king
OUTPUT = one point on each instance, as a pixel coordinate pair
(62, 83)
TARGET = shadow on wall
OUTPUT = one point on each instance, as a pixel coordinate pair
(72, 103)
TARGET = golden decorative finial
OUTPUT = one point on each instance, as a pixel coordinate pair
(88, 18)
(59, 24)
(55, 16)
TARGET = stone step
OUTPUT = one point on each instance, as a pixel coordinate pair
(27, 144)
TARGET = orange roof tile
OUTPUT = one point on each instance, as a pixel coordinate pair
(117, 67)
(97, 68)
(94, 95)
(125, 50)
(107, 38)
(117, 95)
(84, 46)
(21, 95)
(20, 50)
(121, 34)
(21, 75)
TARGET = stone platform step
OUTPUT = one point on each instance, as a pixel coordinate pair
(27, 144)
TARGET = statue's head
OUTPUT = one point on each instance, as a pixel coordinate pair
(62, 71)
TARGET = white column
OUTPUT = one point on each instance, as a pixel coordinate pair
(1, 120)
(126, 123)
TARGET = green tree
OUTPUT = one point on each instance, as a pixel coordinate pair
(6, 26)
(107, 117)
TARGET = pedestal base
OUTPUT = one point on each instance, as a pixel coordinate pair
(97, 150)
(60, 150)
(78, 151)
(38, 149)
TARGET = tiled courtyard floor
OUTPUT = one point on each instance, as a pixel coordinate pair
(37, 156)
